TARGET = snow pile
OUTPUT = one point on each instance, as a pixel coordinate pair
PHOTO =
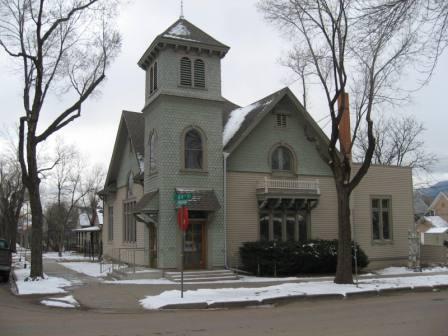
(179, 30)
(161, 281)
(88, 268)
(47, 285)
(405, 270)
(437, 221)
(291, 289)
(237, 118)
(63, 302)
(437, 230)
(67, 255)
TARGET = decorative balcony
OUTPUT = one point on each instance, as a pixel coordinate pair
(284, 187)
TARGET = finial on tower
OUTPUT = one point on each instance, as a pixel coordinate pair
(182, 9)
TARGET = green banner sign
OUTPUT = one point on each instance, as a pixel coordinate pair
(183, 197)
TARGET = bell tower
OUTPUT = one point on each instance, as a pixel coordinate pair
(183, 60)
(183, 139)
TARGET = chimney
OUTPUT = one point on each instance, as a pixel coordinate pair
(345, 137)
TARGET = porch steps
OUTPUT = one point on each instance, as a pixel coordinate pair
(202, 276)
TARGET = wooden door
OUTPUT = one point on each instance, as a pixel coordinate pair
(195, 246)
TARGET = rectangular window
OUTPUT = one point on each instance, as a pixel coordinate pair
(110, 218)
(283, 225)
(291, 227)
(129, 227)
(381, 219)
(264, 226)
(277, 221)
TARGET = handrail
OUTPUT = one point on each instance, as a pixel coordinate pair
(122, 256)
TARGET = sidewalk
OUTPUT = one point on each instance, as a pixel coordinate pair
(95, 293)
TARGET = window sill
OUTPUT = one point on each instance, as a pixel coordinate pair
(382, 242)
(279, 173)
(192, 87)
(193, 172)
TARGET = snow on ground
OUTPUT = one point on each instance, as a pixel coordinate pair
(92, 269)
(161, 281)
(289, 289)
(48, 285)
(63, 302)
(405, 270)
(66, 256)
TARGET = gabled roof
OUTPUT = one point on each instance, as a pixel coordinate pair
(437, 199)
(243, 120)
(436, 221)
(132, 124)
(420, 207)
(135, 123)
(186, 31)
(182, 33)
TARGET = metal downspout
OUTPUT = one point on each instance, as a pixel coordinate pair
(225, 155)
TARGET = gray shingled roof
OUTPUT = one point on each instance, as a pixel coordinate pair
(182, 33)
(135, 123)
(149, 202)
(184, 30)
(203, 199)
(255, 109)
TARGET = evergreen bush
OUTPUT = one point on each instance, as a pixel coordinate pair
(273, 258)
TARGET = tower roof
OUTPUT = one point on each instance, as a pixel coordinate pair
(183, 33)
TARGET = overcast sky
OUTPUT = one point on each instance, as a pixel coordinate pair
(250, 71)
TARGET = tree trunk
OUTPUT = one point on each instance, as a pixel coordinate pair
(36, 232)
(32, 182)
(344, 266)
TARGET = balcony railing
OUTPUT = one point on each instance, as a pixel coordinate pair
(297, 186)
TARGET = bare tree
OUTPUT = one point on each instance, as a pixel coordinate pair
(93, 184)
(430, 16)
(67, 181)
(302, 65)
(11, 199)
(64, 46)
(398, 142)
(349, 49)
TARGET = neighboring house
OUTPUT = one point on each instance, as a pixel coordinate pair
(433, 232)
(258, 172)
(420, 206)
(89, 231)
(439, 206)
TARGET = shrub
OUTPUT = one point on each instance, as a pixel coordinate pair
(292, 258)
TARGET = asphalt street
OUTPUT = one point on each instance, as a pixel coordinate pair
(398, 314)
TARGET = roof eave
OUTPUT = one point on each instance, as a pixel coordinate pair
(161, 42)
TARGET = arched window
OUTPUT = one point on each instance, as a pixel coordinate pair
(282, 159)
(185, 71)
(151, 80)
(193, 150)
(130, 184)
(199, 73)
(152, 152)
(155, 76)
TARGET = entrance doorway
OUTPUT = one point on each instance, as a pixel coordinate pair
(195, 246)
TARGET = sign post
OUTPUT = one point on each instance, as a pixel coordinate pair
(183, 222)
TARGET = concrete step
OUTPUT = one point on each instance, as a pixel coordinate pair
(202, 276)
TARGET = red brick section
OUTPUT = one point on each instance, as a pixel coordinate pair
(345, 137)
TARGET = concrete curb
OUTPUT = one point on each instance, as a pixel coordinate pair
(302, 297)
